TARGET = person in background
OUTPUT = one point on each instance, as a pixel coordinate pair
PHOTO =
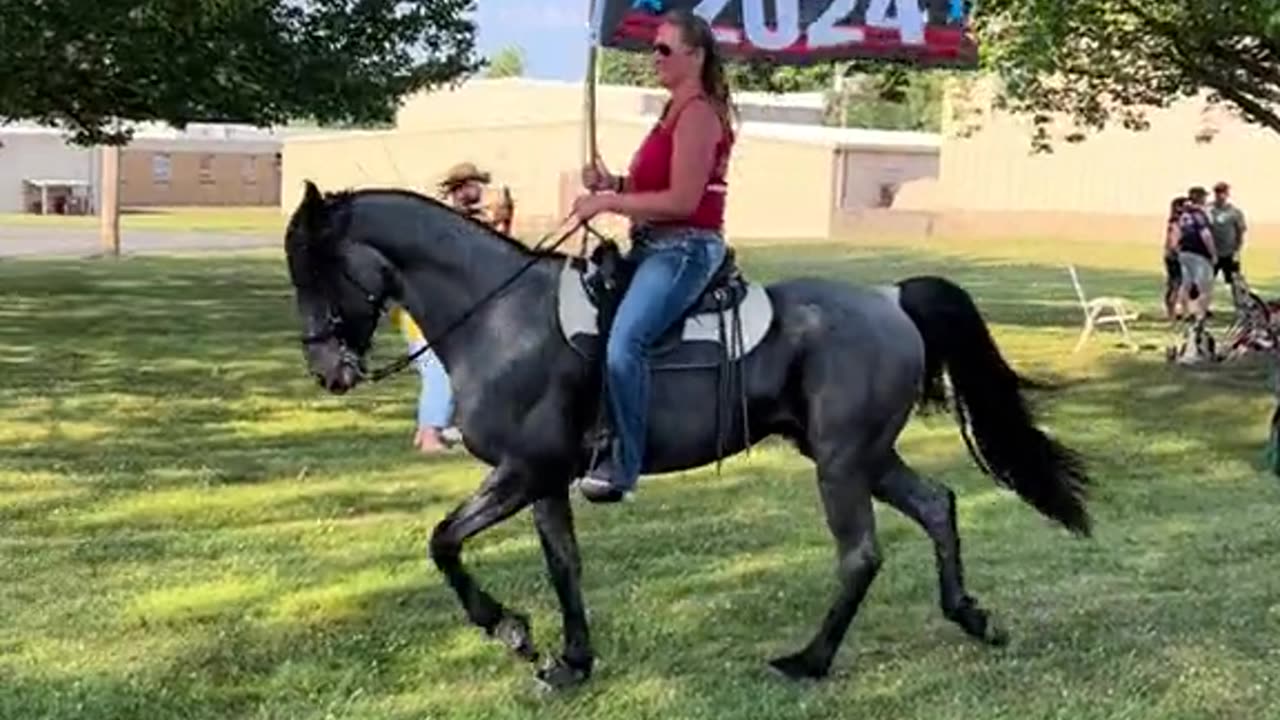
(502, 210)
(465, 187)
(1173, 305)
(1226, 221)
(1196, 253)
(435, 431)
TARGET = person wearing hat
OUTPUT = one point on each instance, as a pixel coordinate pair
(435, 431)
(463, 187)
(1226, 221)
(1196, 253)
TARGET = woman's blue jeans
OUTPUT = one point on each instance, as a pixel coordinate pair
(674, 266)
(435, 402)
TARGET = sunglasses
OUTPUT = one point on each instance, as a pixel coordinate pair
(665, 50)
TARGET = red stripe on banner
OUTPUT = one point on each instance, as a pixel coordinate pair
(939, 42)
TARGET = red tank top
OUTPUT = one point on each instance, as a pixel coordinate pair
(650, 171)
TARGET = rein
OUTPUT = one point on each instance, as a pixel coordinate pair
(404, 361)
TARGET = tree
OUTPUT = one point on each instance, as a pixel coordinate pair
(892, 98)
(618, 67)
(880, 95)
(1100, 62)
(507, 62)
(87, 65)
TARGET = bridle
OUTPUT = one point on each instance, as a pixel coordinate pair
(332, 329)
(333, 322)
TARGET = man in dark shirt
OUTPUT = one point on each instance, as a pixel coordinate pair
(1196, 253)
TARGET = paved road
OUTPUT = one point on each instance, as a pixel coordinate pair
(32, 242)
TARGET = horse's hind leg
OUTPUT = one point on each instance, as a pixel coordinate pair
(846, 498)
(933, 508)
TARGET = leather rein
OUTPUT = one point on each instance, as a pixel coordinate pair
(334, 321)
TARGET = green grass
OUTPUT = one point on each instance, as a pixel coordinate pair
(253, 220)
(189, 528)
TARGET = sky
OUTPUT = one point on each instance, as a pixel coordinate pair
(552, 33)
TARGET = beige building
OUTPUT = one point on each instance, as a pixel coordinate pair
(794, 179)
(201, 165)
(204, 164)
(1116, 185)
(789, 179)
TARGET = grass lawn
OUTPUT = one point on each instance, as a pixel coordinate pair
(189, 528)
(252, 220)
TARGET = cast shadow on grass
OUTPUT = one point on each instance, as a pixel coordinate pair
(760, 562)
(233, 663)
(105, 474)
(680, 612)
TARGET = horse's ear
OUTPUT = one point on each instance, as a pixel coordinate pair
(312, 201)
(312, 208)
(311, 194)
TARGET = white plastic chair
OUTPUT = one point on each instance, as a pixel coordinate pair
(1102, 311)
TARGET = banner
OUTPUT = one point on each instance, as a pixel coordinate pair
(799, 32)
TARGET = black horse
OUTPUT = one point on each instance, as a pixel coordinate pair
(837, 371)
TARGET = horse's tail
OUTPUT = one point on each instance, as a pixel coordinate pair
(1006, 443)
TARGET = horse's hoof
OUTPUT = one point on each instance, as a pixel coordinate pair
(979, 624)
(995, 635)
(513, 631)
(556, 675)
(797, 667)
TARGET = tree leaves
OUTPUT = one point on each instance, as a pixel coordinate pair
(878, 94)
(507, 62)
(85, 65)
(1102, 62)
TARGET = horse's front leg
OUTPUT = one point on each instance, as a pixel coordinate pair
(503, 493)
(553, 516)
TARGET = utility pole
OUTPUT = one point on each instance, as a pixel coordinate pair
(109, 210)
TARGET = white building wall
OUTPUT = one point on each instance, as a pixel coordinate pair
(38, 154)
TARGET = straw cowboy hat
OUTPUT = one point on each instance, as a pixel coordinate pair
(461, 173)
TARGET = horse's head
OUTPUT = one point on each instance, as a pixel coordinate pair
(340, 286)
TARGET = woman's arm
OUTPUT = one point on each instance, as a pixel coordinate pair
(697, 131)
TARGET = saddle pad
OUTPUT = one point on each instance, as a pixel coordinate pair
(577, 315)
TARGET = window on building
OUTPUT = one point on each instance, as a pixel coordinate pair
(206, 170)
(249, 170)
(161, 168)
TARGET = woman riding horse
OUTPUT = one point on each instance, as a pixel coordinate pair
(674, 194)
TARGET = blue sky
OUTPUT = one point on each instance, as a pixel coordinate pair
(552, 33)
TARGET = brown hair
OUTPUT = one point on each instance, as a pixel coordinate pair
(696, 33)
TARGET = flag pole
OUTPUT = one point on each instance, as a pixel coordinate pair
(589, 144)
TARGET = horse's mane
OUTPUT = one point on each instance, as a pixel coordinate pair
(339, 203)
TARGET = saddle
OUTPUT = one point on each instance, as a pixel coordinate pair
(730, 318)
(608, 284)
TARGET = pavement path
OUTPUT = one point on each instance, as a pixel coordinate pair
(34, 242)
